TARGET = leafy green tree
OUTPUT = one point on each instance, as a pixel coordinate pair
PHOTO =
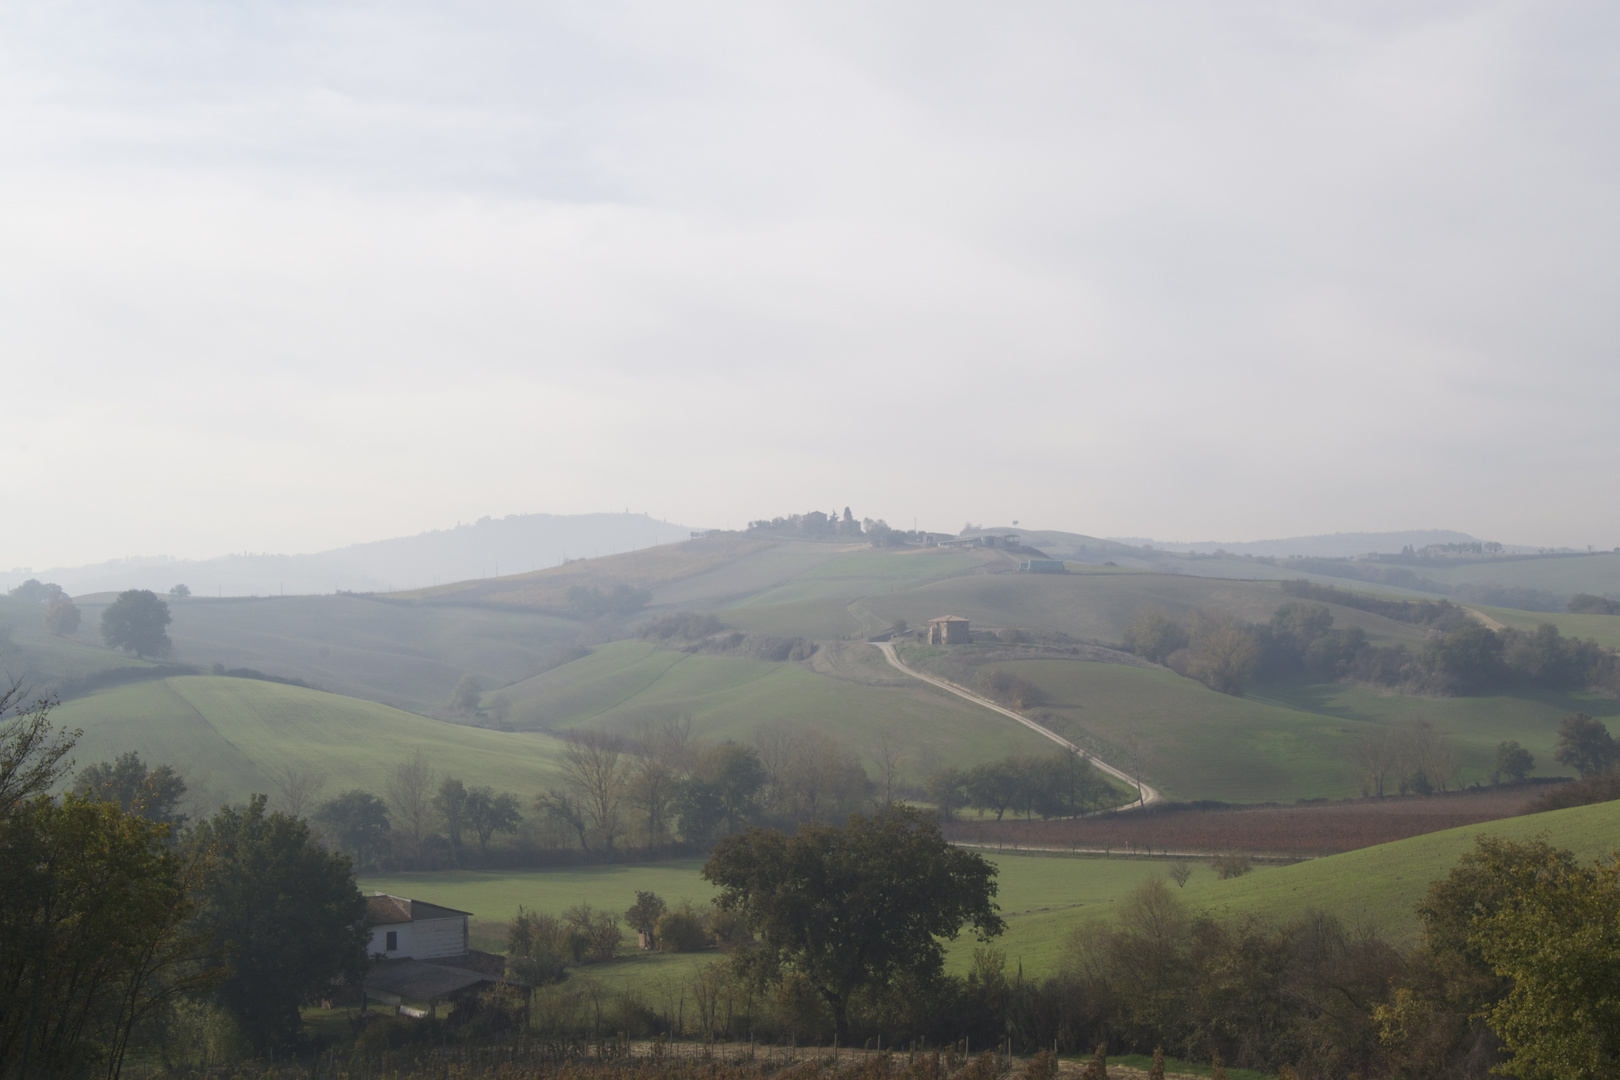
(645, 912)
(179, 592)
(358, 821)
(722, 790)
(61, 617)
(1471, 654)
(285, 911)
(137, 622)
(35, 591)
(1513, 763)
(1154, 635)
(996, 785)
(490, 812)
(154, 794)
(1585, 745)
(1558, 940)
(465, 696)
(1224, 655)
(94, 937)
(946, 787)
(856, 907)
(537, 948)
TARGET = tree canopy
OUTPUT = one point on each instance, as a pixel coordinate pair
(285, 911)
(851, 908)
(153, 794)
(137, 622)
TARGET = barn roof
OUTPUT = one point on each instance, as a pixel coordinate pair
(948, 618)
(384, 909)
(420, 982)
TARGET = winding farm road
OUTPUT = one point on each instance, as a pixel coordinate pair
(1148, 795)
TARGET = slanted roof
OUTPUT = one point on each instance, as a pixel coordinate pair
(948, 618)
(420, 981)
(386, 910)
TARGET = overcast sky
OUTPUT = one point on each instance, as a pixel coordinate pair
(284, 276)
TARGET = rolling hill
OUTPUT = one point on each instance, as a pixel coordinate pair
(232, 737)
(542, 670)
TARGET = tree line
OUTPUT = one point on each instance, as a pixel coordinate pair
(127, 928)
(1461, 655)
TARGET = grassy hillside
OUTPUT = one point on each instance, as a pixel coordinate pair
(233, 736)
(1379, 886)
(1603, 629)
(406, 655)
(1099, 605)
(1032, 890)
(1599, 574)
(1194, 743)
(1375, 888)
(847, 690)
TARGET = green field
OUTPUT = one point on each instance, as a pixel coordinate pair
(1598, 574)
(1033, 891)
(232, 737)
(855, 697)
(1379, 886)
(1603, 629)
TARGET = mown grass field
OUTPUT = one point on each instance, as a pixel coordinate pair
(1032, 890)
(1599, 574)
(1603, 629)
(232, 737)
(625, 684)
(1091, 606)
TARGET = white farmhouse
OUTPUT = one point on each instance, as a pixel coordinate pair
(405, 929)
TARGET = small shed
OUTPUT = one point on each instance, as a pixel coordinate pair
(948, 630)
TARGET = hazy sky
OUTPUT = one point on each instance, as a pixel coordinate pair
(283, 276)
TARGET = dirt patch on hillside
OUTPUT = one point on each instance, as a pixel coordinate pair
(1297, 831)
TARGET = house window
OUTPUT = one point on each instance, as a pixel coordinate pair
(393, 940)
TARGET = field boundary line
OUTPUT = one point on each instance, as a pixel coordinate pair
(1146, 794)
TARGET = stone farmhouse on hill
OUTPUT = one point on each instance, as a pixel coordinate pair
(948, 630)
(421, 957)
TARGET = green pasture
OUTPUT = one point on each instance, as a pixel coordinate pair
(1603, 629)
(870, 570)
(1033, 890)
(1474, 724)
(625, 684)
(408, 655)
(1193, 743)
(745, 576)
(1598, 574)
(1379, 886)
(1099, 606)
(231, 737)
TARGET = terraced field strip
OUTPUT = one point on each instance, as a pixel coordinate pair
(1146, 795)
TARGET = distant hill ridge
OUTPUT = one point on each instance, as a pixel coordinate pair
(1329, 545)
(481, 549)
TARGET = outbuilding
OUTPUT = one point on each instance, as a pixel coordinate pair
(948, 630)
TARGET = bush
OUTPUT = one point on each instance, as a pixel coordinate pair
(680, 930)
(1231, 865)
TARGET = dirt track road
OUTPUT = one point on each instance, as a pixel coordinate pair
(1149, 795)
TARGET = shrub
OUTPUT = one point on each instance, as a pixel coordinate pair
(680, 930)
(1231, 865)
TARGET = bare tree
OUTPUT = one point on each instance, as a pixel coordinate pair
(776, 746)
(410, 793)
(594, 768)
(299, 788)
(1374, 756)
(652, 791)
(887, 755)
(33, 751)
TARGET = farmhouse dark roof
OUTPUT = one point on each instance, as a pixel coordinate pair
(420, 982)
(383, 909)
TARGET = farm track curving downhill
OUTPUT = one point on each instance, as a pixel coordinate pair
(1148, 794)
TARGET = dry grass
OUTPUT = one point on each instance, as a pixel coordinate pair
(638, 569)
